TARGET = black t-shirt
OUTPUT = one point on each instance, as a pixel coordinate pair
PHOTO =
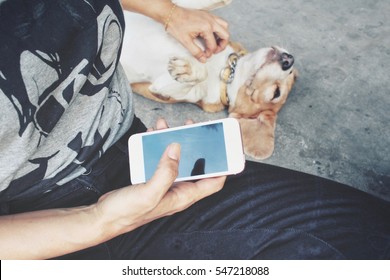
(63, 97)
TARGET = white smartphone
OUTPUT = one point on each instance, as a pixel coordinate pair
(208, 149)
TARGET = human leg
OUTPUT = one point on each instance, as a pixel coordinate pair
(270, 213)
(266, 212)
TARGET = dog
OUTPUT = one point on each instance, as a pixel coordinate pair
(252, 85)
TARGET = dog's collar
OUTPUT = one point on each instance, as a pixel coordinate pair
(227, 75)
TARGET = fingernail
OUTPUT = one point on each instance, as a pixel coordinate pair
(174, 151)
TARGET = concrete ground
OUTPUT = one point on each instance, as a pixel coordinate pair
(335, 123)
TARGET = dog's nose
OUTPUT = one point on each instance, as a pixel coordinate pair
(286, 61)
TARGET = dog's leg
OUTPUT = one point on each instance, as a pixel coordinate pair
(187, 70)
(166, 90)
(202, 4)
(143, 89)
(211, 107)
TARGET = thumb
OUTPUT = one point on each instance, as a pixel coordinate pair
(167, 170)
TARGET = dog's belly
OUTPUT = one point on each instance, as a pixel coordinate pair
(147, 49)
(146, 52)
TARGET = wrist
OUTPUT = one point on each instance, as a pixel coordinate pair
(88, 228)
(102, 226)
(157, 10)
(168, 18)
(106, 225)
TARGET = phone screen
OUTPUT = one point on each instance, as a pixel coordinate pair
(203, 150)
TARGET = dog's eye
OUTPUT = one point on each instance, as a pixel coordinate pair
(276, 93)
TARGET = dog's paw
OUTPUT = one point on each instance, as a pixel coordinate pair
(180, 69)
(186, 70)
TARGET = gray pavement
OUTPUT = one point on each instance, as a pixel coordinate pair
(335, 123)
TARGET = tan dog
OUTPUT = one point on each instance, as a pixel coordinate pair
(254, 86)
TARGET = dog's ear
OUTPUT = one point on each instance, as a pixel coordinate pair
(258, 134)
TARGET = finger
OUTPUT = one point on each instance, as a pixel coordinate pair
(222, 38)
(166, 172)
(209, 186)
(189, 121)
(211, 43)
(161, 124)
(194, 49)
(184, 194)
(222, 22)
(221, 32)
(221, 45)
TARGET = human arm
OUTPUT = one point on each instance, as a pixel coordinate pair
(50, 233)
(185, 25)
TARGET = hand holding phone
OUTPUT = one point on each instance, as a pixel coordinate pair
(157, 198)
(208, 149)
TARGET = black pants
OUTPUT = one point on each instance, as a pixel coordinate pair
(266, 212)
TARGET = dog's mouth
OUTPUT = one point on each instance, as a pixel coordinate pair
(285, 60)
